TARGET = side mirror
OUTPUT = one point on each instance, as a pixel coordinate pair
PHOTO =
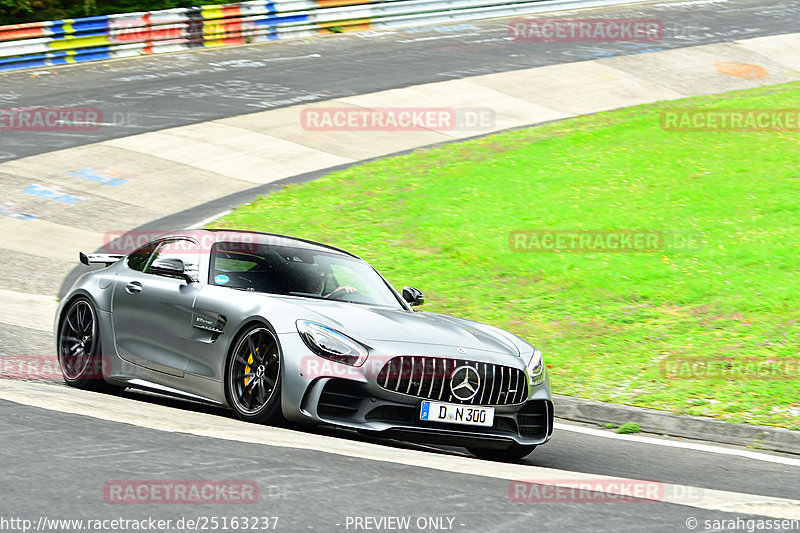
(413, 296)
(170, 267)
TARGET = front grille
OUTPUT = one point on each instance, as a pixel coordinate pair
(429, 377)
(338, 400)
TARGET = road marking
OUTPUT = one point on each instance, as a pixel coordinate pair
(684, 445)
(116, 409)
(53, 192)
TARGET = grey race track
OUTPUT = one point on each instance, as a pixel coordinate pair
(157, 92)
(58, 466)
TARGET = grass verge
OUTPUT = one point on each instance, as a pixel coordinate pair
(706, 328)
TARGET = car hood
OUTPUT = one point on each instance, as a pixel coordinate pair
(368, 323)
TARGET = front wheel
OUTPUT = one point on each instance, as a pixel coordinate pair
(515, 452)
(253, 376)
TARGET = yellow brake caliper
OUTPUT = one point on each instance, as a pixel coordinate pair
(247, 370)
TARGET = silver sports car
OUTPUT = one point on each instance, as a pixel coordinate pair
(274, 326)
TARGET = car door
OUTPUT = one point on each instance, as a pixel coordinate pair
(152, 313)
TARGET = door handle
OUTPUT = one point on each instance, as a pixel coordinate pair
(133, 287)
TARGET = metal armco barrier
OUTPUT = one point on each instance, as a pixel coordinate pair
(59, 42)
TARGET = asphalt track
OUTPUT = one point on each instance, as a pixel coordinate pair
(56, 463)
(306, 490)
(157, 92)
(75, 457)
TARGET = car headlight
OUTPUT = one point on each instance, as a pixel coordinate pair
(331, 344)
(536, 368)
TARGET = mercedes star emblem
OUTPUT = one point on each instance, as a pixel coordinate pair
(465, 382)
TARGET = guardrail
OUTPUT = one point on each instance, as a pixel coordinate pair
(58, 42)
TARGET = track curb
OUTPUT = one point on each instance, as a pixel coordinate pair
(686, 426)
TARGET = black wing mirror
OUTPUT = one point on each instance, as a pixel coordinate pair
(171, 267)
(413, 296)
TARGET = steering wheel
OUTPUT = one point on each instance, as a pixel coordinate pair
(342, 290)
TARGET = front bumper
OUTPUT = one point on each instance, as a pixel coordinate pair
(355, 405)
(344, 403)
(333, 394)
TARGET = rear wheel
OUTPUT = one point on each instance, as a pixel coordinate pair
(82, 364)
(515, 452)
(253, 376)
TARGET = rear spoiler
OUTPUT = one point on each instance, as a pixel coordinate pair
(106, 259)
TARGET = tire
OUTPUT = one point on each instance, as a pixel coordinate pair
(253, 376)
(79, 349)
(515, 452)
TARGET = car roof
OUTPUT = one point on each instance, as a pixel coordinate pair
(275, 239)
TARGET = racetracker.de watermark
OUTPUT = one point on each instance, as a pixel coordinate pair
(733, 368)
(51, 119)
(125, 242)
(604, 241)
(586, 491)
(384, 368)
(738, 120)
(313, 367)
(395, 119)
(180, 492)
(64, 119)
(594, 30)
(47, 368)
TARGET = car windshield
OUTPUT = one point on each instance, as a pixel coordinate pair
(310, 273)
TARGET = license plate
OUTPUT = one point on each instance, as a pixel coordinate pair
(457, 414)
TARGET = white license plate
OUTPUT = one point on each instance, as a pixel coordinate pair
(457, 414)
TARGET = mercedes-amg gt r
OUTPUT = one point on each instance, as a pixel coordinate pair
(274, 326)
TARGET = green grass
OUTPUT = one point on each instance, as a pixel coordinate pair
(608, 323)
(630, 427)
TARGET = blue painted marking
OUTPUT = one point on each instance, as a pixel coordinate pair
(51, 194)
(18, 66)
(100, 175)
(57, 57)
(93, 56)
(20, 216)
(274, 21)
(10, 210)
(57, 28)
(79, 25)
(16, 63)
(91, 23)
(93, 50)
(221, 279)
